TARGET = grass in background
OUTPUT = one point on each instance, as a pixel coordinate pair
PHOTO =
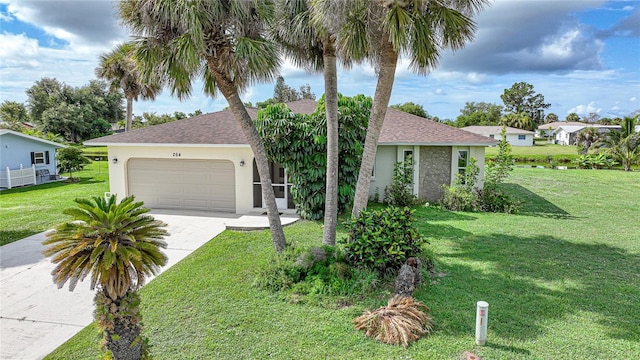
(561, 278)
(25, 211)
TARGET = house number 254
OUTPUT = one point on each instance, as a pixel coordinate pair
(176, 154)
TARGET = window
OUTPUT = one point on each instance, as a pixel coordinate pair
(522, 137)
(492, 136)
(40, 157)
(463, 160)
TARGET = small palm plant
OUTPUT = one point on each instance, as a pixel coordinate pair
(402, 321)
(118, 246)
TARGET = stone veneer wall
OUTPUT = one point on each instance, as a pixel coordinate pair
(435, 171)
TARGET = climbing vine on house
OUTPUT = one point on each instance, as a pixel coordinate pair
(298, 142)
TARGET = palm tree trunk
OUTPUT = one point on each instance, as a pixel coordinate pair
(120, 322)
(331, 108)
(386, 76)
(127, 126)
(230, 92)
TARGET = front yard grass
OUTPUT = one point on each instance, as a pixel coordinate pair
(561, 278)
(25, 211)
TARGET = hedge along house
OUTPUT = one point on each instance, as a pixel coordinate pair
(205, 162)
(26, 160)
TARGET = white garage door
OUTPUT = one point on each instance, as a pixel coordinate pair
(183, 184)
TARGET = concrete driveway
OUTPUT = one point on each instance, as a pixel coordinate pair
(36, 317)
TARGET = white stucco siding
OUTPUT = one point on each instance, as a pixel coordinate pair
(243, 174)
(476, 152)
(16, 151)
(386, 157)
(514, 139)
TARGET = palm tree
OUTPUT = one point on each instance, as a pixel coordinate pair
(587, 137)
(118, 67)
(310, 42)
(518, 120)
(117, 246)
(219, 42)
(624, 145)
(420, 29)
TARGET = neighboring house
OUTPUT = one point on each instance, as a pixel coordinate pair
(515, 136)
(566, 134)
(37, 157)
(546, 130)
(205, 162)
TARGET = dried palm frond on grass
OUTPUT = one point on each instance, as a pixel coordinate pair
(402, 321)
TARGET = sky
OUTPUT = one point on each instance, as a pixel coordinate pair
(583, 56)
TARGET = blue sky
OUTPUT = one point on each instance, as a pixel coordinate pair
(582, 55)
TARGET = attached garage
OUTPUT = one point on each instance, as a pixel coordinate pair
(183, 183)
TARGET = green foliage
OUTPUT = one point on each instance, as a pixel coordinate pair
(518, 120)
(458, 198)
(521, 98)
(71, 159)
(481, 113)
(595, 161)
(383, 239)
(573, 117)
(298, 141)
(13, 115)
(498, 169)
(412, 108)
(400, 192)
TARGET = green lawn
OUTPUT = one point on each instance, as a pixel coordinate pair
(561, 278)
(540, 148)
(25, 211)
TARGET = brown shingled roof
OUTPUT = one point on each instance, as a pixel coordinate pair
(221, 128)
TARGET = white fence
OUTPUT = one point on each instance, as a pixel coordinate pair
(20, 177)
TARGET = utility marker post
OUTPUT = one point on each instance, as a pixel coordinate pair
(482, 314)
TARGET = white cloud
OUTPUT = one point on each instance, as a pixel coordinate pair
(633, 99)
(585, 109)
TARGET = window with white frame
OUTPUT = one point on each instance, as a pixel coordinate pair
(522, 137)
(38, 157)
(463, 161)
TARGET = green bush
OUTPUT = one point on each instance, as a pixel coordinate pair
(490, 199)
(458, 198)
(383, 239)
(400, 192)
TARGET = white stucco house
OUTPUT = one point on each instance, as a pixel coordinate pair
(25, 159)
(515, 136)
(546, 130)
(566, 134)
(205, 162)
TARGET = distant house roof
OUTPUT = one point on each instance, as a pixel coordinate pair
(221, 128)
(33, 138)
(576, 128)
(488, 130)
(556, 124)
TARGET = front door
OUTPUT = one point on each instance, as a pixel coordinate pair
(281, 187)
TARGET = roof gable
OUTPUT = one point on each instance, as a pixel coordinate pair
(487, 130)
(29, 137)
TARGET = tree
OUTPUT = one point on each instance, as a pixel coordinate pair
(219, 42)
(591, 118)
(573, 117)
(498, 169)
(71, 159)
(44, 94)
(551, 117)
(624, 145)
(118, 67)
(519, 120)
(378, 31)
(117, 246)
(521, 98)
(587, 137)
(284, 93)
(308, 38)
(13, 115)
(411, 108)
(481, 113)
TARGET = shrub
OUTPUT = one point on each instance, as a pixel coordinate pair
(383, 239)
(491, 199)
(400, 192)
(457, 198)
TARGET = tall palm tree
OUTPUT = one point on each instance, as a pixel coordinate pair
(420, 29)
(587, 137)
(223, 44)
(309, 42)
(117, 246)
(624, 145)
(118, 67)
(518, 120)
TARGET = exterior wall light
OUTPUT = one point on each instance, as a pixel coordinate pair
(241, 162)
(115, 160)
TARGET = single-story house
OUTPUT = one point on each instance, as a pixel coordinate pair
(546, 130)
(515, 136)
(205, 163)
(566, 134)
(25, 159)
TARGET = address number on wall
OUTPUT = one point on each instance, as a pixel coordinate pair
(176, 154)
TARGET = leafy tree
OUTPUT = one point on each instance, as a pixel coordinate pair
(519, 120)
(624, 145)
(71, 159)
(551, 117)
(308, 37)
(587, 137)
(378, 31)
(499, 168)
(573, 117)
(481, 113)
(45, 93)
(220, 43)
(117, 246)
(411, 108)
(118, 67)
(13, 115)
(305, 92)
(521, 98)
(284, 93)
(591, 118)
